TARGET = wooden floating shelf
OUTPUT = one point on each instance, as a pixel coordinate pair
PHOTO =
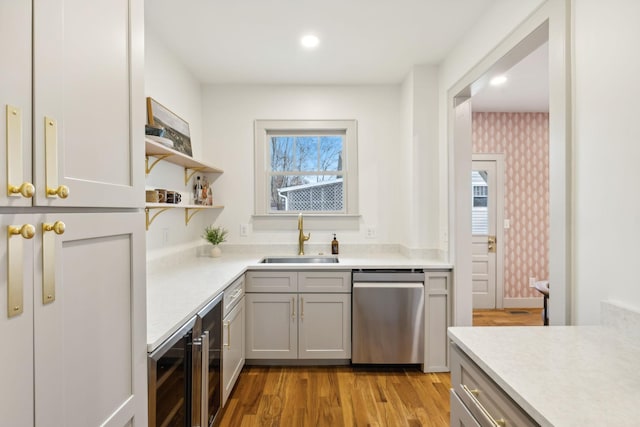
(161, 152)
(189, 210)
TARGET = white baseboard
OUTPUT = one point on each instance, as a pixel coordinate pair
(531, 302)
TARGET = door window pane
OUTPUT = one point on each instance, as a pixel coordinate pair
(479, 209)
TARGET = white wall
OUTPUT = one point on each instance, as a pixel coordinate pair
(229, 114)
(171, 84)
(607, 155)
(420, 157)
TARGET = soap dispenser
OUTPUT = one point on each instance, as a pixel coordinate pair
(334, 245)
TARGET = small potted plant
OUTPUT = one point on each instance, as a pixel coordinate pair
(215, 236)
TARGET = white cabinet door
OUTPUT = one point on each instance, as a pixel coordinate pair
(325, 326)
(16, 351)
(233, 349)
(89, 102)
(272, 326)
(15, 99)
(90, 357)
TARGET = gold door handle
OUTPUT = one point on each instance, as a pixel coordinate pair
(57, 227)
(15, 267)
(491, 241)
(293, 307)
(26, 190)
(301, 308)
(15, 155)
(51, 160)
(62, 191)
(49, 260)
(27, 231)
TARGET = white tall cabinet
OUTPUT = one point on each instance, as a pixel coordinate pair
(72, 268)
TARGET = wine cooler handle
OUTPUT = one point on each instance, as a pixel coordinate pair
(204, 406)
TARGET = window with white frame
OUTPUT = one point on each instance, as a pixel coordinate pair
(307, 166)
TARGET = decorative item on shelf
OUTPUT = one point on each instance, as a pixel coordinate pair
(175, 128)
(152, 196)
(215, 236)
(197, 191)
(204, 197)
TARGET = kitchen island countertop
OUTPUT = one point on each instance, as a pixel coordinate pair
(176, 291)
(561, 375)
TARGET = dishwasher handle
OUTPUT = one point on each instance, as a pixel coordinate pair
(388, 285)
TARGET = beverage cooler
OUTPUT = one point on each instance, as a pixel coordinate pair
(185, 382)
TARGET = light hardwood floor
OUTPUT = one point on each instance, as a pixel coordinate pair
(351, 395)
(338, 396)
(508, 317)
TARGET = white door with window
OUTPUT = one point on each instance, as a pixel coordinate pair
(487, 242)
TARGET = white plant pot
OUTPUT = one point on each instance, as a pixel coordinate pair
(215, 251)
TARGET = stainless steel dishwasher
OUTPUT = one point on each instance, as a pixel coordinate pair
(388, 317)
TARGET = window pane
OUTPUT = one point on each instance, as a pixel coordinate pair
(282, 153)
(479, 211)
(331, 153)
(307, 193)
(307, 153)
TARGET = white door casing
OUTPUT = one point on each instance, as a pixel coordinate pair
(549, 22)
(487, 223)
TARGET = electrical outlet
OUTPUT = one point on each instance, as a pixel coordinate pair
(371, 232)
(532, 282)
(244, 230)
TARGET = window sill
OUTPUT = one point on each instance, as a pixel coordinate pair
(321, 222)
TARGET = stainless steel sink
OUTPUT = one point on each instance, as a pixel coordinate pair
(300, 260)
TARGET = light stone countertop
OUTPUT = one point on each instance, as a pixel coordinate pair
(561, 375)
(178, 289)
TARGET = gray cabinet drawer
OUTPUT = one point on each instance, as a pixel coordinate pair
(460, 415)
(233, 294)
(324, 281)
(488, 403)
(272, 281)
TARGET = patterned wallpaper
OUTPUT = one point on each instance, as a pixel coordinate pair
(524, 140)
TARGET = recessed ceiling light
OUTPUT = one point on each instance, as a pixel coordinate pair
(498, 80)
(310, 41)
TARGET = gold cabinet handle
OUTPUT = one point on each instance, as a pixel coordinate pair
(27, 231)
(229, 335)
(61, 191)
(15, 270)
(26, 190)
(49, 260)
(15, 155)
(293, 307)
(473, 394)
(57, 227)
(301, 308)
(51, 160)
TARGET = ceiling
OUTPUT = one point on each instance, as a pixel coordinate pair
(526, 88)
(361, 42)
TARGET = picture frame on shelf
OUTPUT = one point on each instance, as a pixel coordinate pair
(176, 130)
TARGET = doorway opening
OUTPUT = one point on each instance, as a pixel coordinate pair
(547, 24)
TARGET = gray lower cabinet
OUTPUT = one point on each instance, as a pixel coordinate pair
(313, 322)
(233, 336)
(437, 319)
(476, 400)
